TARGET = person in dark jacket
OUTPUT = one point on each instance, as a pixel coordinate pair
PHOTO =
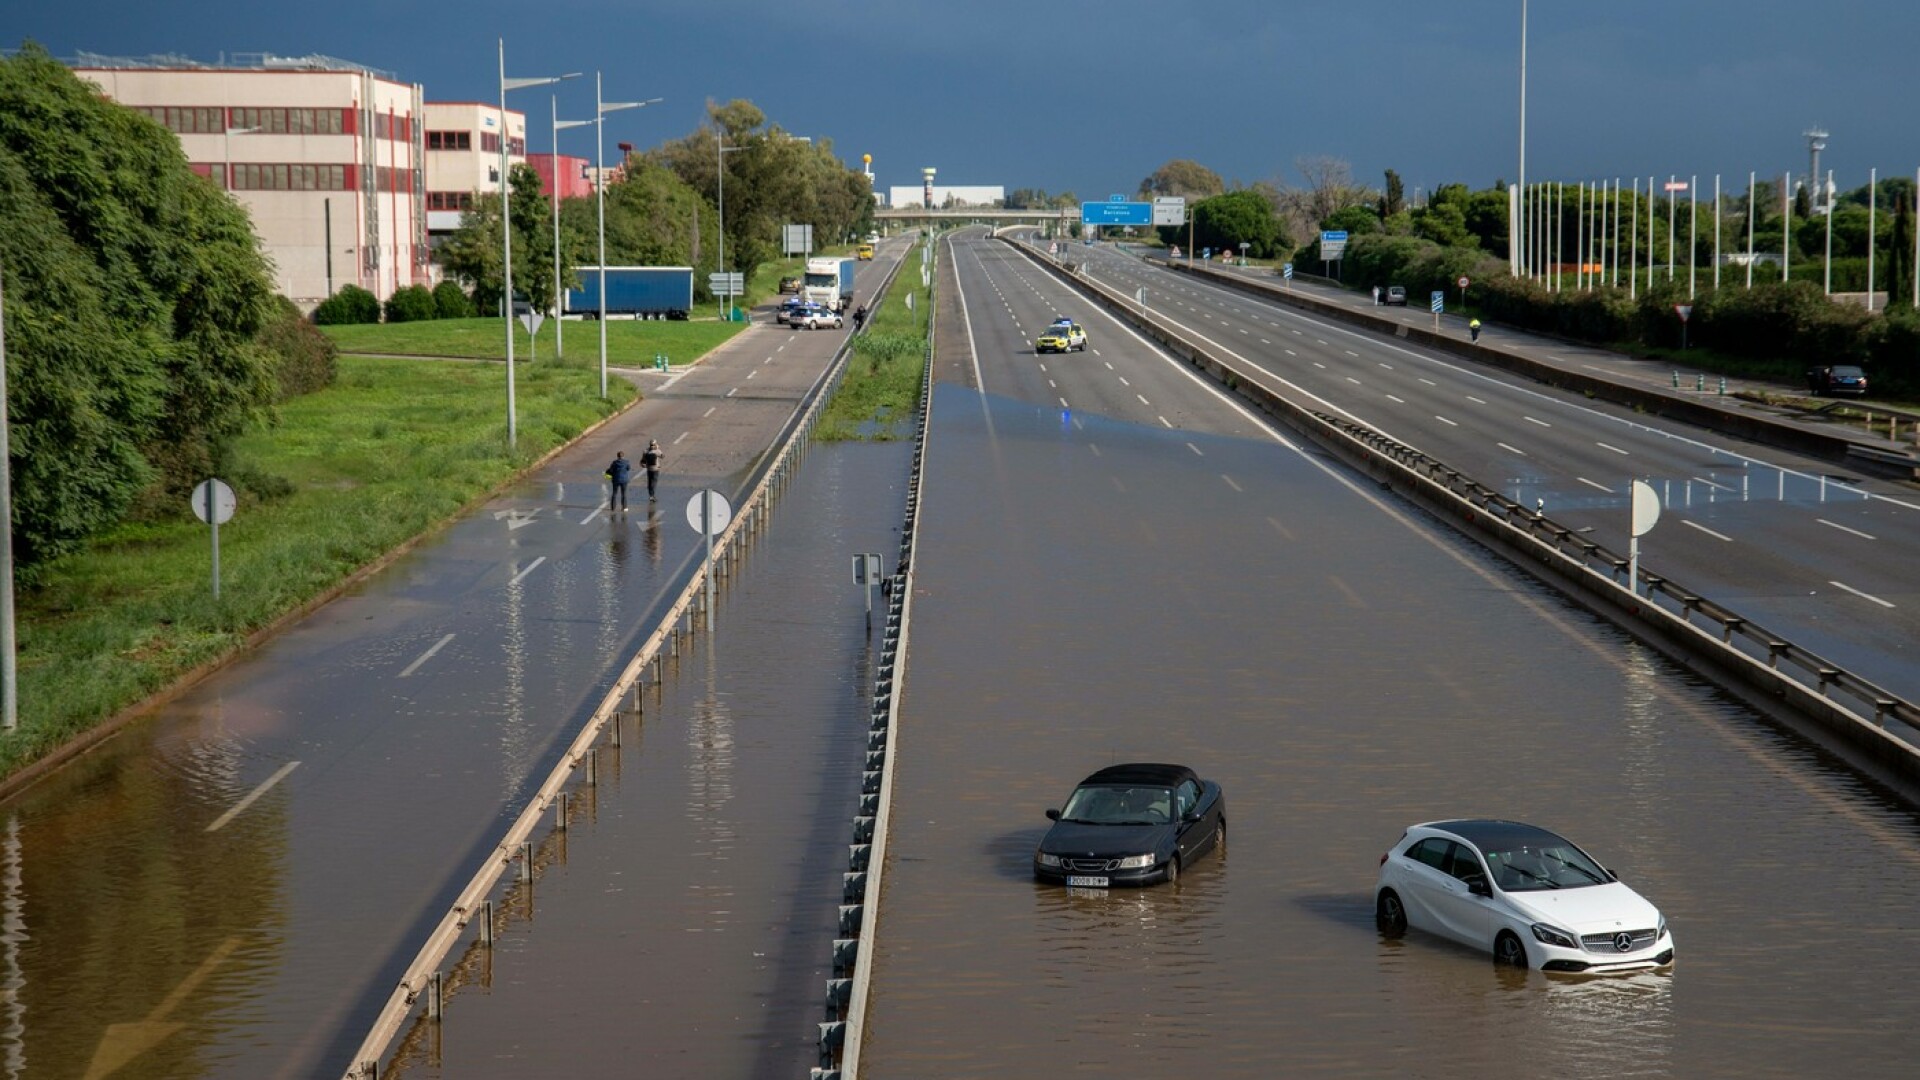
(618, 472)
(651, 461)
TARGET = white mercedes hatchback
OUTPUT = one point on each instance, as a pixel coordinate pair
(1532, 898)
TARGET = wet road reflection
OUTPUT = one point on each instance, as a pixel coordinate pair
(685, 928)
(1103, 594)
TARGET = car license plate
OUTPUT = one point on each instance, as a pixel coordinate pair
(1087, 882)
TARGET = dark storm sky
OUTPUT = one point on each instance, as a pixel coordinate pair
(1091, 97)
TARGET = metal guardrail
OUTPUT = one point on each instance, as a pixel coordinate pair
(1852, 710)
(850, 988)
(422, 977)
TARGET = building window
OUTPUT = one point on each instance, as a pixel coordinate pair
(449, 200)
(449, 140)
(516, 147)
(260, 176)
(490, 142)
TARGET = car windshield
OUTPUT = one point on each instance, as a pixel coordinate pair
(1534, 867)
(1844, 372)
(1119, 805)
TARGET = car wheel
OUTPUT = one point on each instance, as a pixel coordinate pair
(1173, 870)
(1508, 952)
(1389, 914)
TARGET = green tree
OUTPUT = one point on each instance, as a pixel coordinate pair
(136, 293)
(1027, 199)
(1182, 177)
(1224, 221)
(1354, 220)
(472, 254)
(1394, 199)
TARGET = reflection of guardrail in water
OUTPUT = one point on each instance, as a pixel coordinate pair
(422, 977)
(848, 991)
(1850, 712)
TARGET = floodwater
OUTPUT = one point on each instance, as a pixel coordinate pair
(683, 926)
(1090, 592)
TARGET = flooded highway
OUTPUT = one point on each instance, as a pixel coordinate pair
(1344, 668)
(687, 919)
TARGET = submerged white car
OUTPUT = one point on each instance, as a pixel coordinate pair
(1532, 898)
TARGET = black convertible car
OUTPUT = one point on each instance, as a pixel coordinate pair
(1132, 825)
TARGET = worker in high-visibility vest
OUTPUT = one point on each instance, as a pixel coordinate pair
(1474, 329)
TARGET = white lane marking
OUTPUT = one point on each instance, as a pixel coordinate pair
(1353, 380)
(597, 511)
(1704, 529)
(1242, 329)
(1531, 420)
(426, 656)
(1195, 449)
(677, 438)
(527, 570)
(266, 785)
(1063, 404)
(1322, 341)
(1470, 397)
(1264, 341)
(733, 391)
(1861, 595)
(1615, 449)
(1051, 385)
(1396, 400)
(1230, 482)
(1123, 380)
(1290, 352)
(782, 347)
(1320, 365)
(1143, 400)
(1591, 484)
(1164, 422)
(1444, 420)
(1515, 449)
(709, 411)
(1430, 382)
(750, 374)
(1844, 529)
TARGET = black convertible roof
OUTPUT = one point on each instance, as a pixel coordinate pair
(1144, 773)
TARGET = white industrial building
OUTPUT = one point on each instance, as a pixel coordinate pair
(946, 195)
(343, 169)
(463, 157)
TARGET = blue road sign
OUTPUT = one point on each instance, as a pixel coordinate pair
(1116, 213)
(1439, 302)
(1333, 236)
(1286, 271)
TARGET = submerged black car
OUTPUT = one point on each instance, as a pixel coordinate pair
(1132, 825)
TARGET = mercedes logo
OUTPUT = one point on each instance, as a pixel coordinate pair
(1622, 941)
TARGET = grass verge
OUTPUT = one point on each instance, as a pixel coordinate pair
(877, 397)
(630, 342)
(392, 450)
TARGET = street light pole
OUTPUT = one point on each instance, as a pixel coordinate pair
(560, 309)
(720, 152)
(1523, 127)
(506, 221)
(600, 111)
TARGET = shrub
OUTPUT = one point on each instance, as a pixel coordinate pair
(305, 359)
(411, 303)
(451, 302)
(351, 305)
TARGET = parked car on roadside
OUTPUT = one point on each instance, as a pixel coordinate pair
(1395, 295)
(1836, 380)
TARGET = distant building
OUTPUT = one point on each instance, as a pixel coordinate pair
(946, 195)
(325, 155)
(463, 158)
(571, 176)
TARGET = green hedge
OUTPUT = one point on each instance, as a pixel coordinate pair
(1778, 327)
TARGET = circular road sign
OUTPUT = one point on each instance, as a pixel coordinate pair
(1463, 282)
(722, 513)
(213, 502)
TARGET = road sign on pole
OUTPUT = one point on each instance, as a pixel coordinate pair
(1439, 304)
(1286, 271)
(1170, 210)
(1116, 212)
(866, 571)
(213, 503)
(1646, 514)
(1685, 311)
(708, 513)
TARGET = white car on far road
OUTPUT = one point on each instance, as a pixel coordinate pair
(1532, 898)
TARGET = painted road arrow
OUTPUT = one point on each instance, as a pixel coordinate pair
(516, 518)
(124, 1042)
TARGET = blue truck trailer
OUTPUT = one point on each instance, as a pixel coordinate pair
(643, 292)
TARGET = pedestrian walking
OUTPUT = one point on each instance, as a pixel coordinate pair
(1376, 296)
(1473, 328)
(618, 472)
(651, 461)
(859, 316)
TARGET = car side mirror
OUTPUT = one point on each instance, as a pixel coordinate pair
(1053, 815)
(1478, 886)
